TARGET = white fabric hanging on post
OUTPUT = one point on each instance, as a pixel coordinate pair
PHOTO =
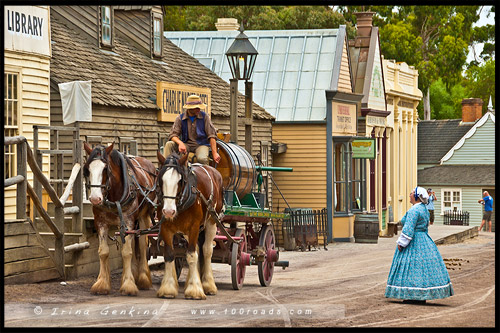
(76, 101)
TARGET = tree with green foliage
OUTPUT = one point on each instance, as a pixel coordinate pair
(480, 82)
(203, 18)
(446, 103)
(434, 39)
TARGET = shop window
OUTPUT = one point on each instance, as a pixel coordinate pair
(11, 119)
(157, 35)
(358, 185)
(452, 200)
(342, 182)
(106, 28)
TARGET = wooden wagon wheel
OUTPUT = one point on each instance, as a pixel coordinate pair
(238, 264)
(266, 267)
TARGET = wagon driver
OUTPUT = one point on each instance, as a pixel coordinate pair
(194, 132)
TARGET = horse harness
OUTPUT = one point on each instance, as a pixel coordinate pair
(129, 191)
(186, 197)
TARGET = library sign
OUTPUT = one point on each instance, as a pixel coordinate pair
(171, 97)
(26, 29)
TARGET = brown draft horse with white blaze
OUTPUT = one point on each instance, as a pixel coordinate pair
(201, 187)
(121, 185)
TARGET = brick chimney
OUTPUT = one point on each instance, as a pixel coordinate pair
(364, 23)
(472, 109)
(227, 24)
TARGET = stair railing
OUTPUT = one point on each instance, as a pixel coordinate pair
(25, 157)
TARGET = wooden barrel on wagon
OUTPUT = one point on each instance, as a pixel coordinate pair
(366, 228)
(237, 168)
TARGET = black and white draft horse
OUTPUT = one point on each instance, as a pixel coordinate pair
(188, 193)
(122, 194)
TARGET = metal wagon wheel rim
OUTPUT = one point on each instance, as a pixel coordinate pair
(266, 267)
(238, 267)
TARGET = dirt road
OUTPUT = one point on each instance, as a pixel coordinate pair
(341, 287)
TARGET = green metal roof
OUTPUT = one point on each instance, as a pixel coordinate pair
(292, 71)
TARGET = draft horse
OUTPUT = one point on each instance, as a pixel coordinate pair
(190, 195)
(122, 194)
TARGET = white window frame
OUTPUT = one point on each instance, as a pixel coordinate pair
(453, 201)
(157, 37)
(106, 24)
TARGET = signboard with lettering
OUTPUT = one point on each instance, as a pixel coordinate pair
(364, 148)
(344, 119)
(375, 121)
(27, 29)
(171, 97)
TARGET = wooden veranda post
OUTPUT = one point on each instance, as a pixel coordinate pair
(248, 116)
(78, 187)
(233, 117)
(21, 187)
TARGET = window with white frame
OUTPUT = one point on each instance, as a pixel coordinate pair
(451, 200)
(157, 35)
(106, 25)
(11, 119)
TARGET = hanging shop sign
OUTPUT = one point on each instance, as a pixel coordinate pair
(364, 148)
(344, 119)
(170, 98)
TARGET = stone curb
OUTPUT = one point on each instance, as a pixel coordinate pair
(458, 237)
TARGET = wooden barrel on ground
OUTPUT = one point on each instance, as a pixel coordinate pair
(366, 228)
(237, 168)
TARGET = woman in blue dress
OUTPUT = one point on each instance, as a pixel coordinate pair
(418, 272)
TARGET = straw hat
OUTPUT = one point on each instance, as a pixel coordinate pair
(194, 101)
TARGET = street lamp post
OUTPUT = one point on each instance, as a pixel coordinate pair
(241, 56)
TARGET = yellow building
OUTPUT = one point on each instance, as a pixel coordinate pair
(402, 96)
(27, 53)
(389, 116)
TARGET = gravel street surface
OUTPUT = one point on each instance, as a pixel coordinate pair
(339, 287)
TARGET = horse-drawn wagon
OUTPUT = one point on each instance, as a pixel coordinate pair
(190, 216)
(245, 234)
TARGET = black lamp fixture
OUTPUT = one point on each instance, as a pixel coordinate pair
(241, 56)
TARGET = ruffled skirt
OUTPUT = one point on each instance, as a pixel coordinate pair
(418, 272)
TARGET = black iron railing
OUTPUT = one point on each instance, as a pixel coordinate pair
(456, 217)
(308, 227)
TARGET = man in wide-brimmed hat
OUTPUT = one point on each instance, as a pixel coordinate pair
(194, 132)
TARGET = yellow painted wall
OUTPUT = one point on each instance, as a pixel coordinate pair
(343, 227)
(34, 109)
(345, 73)
(305, 187)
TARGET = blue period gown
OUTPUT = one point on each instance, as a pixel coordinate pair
(418, 271)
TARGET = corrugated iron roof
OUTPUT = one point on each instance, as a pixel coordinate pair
(292, 71)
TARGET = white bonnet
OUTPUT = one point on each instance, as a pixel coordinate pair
(422, 193)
